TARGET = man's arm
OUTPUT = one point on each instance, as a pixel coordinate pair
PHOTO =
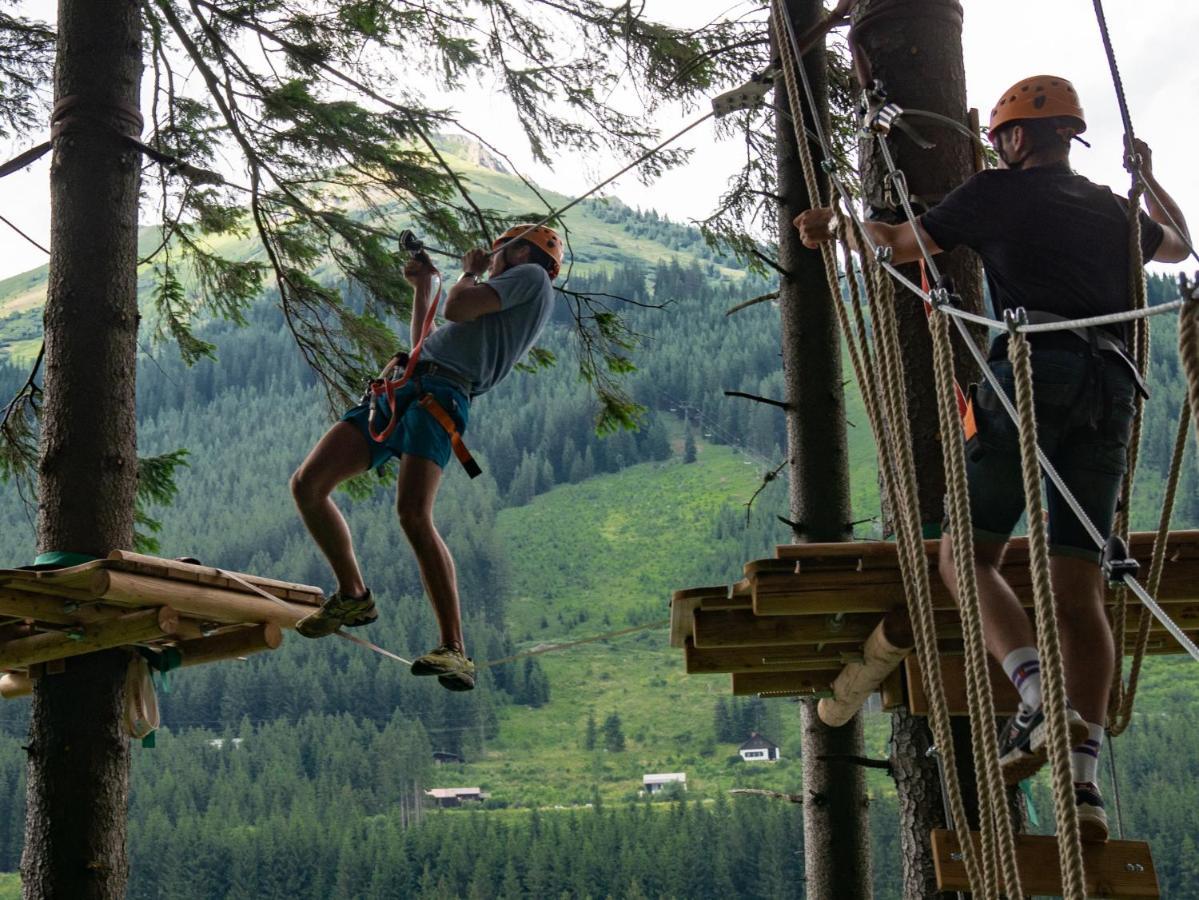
(815, 229)
(419, 272)
(1164, 211)
(468, 300)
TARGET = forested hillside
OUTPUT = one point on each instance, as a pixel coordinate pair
(302, 772)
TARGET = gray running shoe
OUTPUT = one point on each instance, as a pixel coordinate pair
(1022, 750)
(453, 669)
(337, 611)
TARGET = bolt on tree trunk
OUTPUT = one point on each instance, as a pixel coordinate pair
(836, 824)
(78, 753)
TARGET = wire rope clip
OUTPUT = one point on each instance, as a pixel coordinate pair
(751, 95)
(1117, 564)
(1186, 290)
(883, 254)
(1015, 319)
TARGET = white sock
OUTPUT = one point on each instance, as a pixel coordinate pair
(1023, 667)
(1084, 759)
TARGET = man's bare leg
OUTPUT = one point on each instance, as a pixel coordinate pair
(1005, 623)
(1088, 649)
(416, 489)
(341, 454)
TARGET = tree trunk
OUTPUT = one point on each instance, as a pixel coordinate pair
(78, 753)
(914, 50)
(836, 824)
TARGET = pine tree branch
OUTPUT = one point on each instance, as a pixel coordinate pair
(773, 295)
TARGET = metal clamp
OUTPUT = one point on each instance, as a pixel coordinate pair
(883, 254)
(878, 114)
(751, 95)
(1117, 564)
(1015, 319)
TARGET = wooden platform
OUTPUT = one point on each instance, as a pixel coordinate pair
(1116, 869)
(808, 610)
(132, 599)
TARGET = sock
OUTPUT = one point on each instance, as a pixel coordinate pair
(1023, 667)
(1084, 759)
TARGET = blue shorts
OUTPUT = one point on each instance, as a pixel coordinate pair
(1084, 411)
(418, 433)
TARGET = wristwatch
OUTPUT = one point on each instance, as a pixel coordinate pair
(470, 275)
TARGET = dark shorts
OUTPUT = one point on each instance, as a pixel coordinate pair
(418, 433)
(1084, 410)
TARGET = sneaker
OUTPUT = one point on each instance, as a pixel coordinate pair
(446, 662)
(459, 681)
(1022, 749)
(337, 611)
(1092, 818)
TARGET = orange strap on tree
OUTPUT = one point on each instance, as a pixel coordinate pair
(965, 404)
(385, 386)
(430, 405)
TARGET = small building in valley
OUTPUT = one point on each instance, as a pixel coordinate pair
(652, 784)
(759, 749)
(449, 797)
(444, 757)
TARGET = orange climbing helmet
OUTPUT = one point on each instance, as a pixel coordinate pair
(1039, 97)
(541, 237)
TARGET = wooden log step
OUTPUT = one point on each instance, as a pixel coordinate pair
(858, 680)
(199, 601)
(133, 628)
(1117, 869)
(793, 658)
(784, 684)
(15, 684)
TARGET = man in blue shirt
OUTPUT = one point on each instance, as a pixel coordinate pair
(1052, 243)
(490, 326)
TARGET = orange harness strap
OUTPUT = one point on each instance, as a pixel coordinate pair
(965, 403)
(430, 405)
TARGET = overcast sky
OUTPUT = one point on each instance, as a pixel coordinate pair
(1003, 41)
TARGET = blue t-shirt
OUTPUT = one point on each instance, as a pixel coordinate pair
(485, 349)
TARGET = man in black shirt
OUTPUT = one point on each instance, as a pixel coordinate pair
(1053, 243)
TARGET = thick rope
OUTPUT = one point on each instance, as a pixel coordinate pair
(891, 430)
(1122, 698)
(982, 704)
(1188, 352)
(1048, 646)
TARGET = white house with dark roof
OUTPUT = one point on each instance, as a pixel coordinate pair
(759, 749)
(651, 784)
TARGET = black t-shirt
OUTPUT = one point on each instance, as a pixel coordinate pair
(1049, 239)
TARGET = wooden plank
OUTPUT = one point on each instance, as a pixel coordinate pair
(1116, 869)
(198, 601)
(891, 691)
(683, 603)
(128, 561)
(777, 593)
(953, 673)
(143, 625)
(793, 658)
(741, 628)
(784, 683)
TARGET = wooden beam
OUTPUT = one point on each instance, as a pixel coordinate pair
(858, 680)
(784, 683)
(231, 644)
(133, 628)
(198, 601)
(794, 658)
(683, 603)
(1116, 869)
(953, 674)
(15, 684)
(781, 592)
(741, 628)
